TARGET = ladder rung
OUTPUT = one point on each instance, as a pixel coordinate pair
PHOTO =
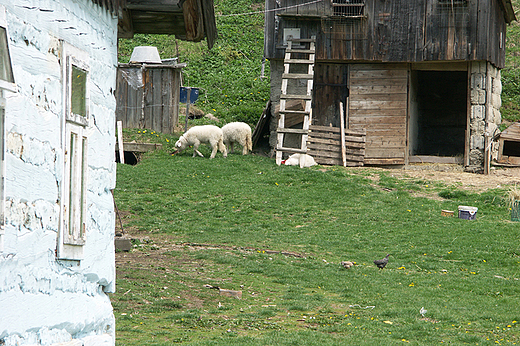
(289, 130)
(305, 51)
(298, 61)
(297, 76)
(292, 150)
(294, 112)
(295, 97)
(303, 40)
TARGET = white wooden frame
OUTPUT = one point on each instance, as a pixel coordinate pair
(5, 84)
(73, 218)
(75, 57)
(2, 170)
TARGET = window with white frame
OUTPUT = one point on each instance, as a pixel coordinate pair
(74, 205)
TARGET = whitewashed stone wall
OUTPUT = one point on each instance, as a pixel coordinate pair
(485, 117)
(44, 300)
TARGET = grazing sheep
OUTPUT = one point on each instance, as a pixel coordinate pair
(207, 134)
(240, 133)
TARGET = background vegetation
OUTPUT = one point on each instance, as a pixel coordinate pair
(229, 74)
(511, 74)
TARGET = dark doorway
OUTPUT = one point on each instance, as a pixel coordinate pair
(438, 113)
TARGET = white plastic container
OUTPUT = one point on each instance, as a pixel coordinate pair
(467, 213)
(145, 54)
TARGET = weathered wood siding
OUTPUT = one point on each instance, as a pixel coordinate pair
(378, 103)
(396, 31)
(158, 110)
(330, 88)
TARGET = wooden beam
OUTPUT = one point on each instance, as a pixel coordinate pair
(120, 141)
(141, 147)
(154, 5)
(436, 159)
(342, 139)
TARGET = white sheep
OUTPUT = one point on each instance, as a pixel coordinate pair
(302, 160)
(207, 134)
(240, 133)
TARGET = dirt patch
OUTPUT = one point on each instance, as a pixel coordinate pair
(454, 175)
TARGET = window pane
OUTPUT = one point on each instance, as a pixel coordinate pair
(72, 179)
(79, 91)
(5, 62)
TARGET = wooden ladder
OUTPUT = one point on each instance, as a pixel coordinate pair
(306, 99)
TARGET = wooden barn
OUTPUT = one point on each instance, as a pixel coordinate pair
(422, 78)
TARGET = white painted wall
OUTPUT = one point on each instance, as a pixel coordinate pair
(43, 300)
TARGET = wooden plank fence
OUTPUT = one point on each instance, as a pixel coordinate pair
(324, 145)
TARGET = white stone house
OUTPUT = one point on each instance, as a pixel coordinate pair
(56, 241)
(58, 64)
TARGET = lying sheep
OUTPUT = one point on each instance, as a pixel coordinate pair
(240, 133)
(207, 134)
(302, 160)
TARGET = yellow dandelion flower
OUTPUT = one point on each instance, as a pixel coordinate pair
(411, 285)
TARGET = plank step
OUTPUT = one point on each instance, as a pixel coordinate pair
(295, 97)
(290, 130)
(298, 61)
(302, 40)
(285, 111)
(292, 150)
(297, 76)
(304, 51)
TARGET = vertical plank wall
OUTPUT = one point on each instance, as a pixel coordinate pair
(158, 110)
(378, 103)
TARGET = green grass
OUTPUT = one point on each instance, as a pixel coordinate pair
(465, 273)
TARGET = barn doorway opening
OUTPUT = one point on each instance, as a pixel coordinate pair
(438, 114)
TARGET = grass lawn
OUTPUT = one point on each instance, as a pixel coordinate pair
(278, 234)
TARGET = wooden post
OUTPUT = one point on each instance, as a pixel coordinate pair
(120, 141)
(342, 131)
(188, 90)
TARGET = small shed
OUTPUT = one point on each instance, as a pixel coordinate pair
(509, 146)
(421, 77)
(148, 95)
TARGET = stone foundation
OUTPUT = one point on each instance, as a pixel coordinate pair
(485, 90)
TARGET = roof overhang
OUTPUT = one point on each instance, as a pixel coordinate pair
(509, 12)
(190, 20)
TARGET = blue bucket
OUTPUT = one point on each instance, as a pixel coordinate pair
(194, 95)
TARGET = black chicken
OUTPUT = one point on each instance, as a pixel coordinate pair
(381, 263)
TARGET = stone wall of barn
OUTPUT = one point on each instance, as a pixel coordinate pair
(485, 118)
(46, 300)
